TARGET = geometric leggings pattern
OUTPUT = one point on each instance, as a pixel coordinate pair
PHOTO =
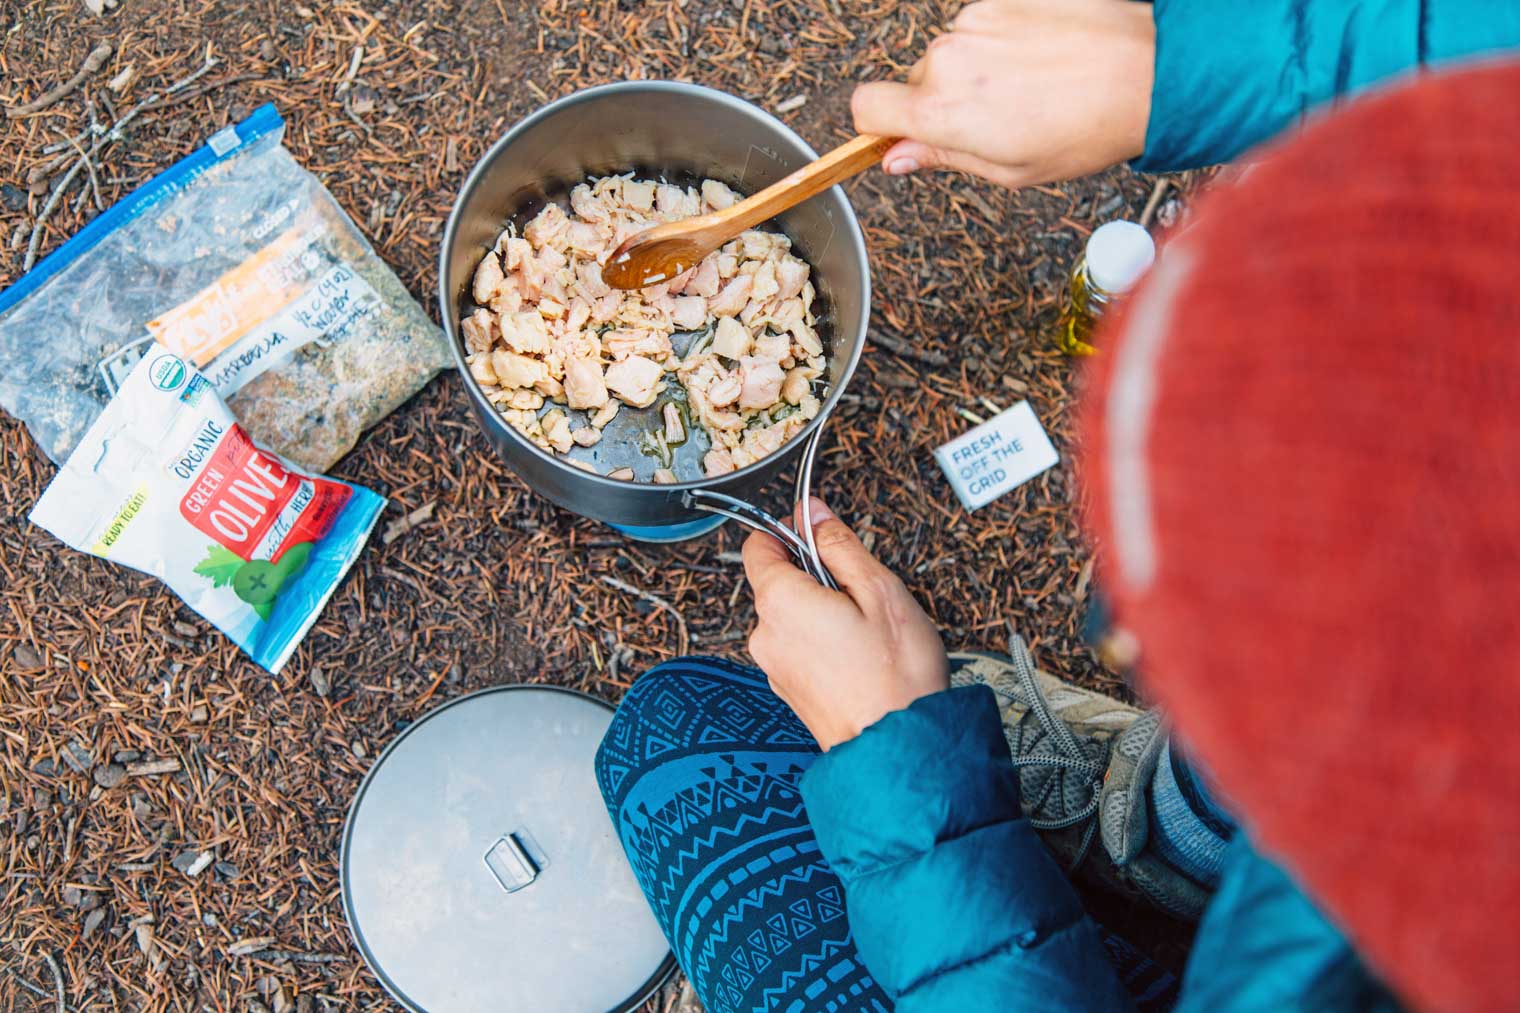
(699, 771)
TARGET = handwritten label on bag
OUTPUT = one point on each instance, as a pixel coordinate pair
(997, 456)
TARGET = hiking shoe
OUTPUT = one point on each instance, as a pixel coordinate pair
(1078, 755)
(1124, 819)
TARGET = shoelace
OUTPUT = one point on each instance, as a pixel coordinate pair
(1068, 758)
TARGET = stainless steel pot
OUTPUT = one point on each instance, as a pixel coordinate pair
(684, 133)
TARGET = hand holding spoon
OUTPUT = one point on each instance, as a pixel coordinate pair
(661, 253)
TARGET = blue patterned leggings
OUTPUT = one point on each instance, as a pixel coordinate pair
(700, 771)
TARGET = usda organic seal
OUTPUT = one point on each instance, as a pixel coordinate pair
(167, 372)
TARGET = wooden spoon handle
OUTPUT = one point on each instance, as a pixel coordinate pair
(843, 162)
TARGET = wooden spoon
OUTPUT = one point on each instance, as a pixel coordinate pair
(661, 253)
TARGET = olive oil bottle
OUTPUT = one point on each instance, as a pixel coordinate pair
(1117, 255)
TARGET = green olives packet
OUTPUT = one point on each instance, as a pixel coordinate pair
(166, 481)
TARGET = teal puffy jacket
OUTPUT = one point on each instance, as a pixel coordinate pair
(954, 903)
(956, 906)
(1229, 75)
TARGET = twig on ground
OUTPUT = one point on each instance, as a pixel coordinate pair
(1157, 192)
(299, 958)
(401, 525)
(94, 187)
(57, 981)
(42, 216)
(656, 601)
(899, 347)
(353, 69)
(92, 63)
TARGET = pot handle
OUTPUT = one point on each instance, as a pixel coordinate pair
(803, 546)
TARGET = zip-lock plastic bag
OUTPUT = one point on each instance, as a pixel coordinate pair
(165, 481)
(239, 261)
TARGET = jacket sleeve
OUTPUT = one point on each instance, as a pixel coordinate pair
(1263, 945)
(954, 903)
(1229, 75)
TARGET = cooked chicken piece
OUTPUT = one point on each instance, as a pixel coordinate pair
(638, 195)
(733, 298)
(675, 429)
(725, 390)
(791, 275)
(548, 386)
(810, 406)
(530, 279)
(664, 476)
(728, 265)
(589, 207)
(606, 412)
(584, 387)
(549, 309)
(583, 465)
(518, 251)
(575, 344)
(717, 196)
(556, 426)
(477, 329)
(587, 436)
(513, 370)
(549, 225)
(589, 275)
(585, 239)
(525, 332)
(652, 344)
(527, 400)
(717, 461)
(508, 298)
(807, 339)
(762, 379)
(487, 277)
(621, 474)
(704, 279)
(659, 302)
(480, 368)
(605, 308)
(789, 312)
(765, 282)
(766, 440)
(772, 346)
(675, 202)
(730, 339)
(795, 386)
(579, 315)
(634, 380)
(759, 245)
(689, 312)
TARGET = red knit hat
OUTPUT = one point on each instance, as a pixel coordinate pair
(1304, 445)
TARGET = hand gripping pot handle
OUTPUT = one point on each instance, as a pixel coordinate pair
(801, 544)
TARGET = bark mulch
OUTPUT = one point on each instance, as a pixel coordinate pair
(169, 813)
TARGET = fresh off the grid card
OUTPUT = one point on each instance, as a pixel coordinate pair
(997, 456)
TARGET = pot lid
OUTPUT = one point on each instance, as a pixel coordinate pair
(480, 870)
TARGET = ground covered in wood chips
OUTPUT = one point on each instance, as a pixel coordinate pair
(134, 738)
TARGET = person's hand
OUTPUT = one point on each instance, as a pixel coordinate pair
(1022, 92)
(841, 660)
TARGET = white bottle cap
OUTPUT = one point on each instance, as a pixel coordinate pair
(1118, 253)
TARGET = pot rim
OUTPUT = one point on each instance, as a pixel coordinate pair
(852, 234)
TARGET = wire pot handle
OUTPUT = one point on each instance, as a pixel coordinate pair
(803, 546)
